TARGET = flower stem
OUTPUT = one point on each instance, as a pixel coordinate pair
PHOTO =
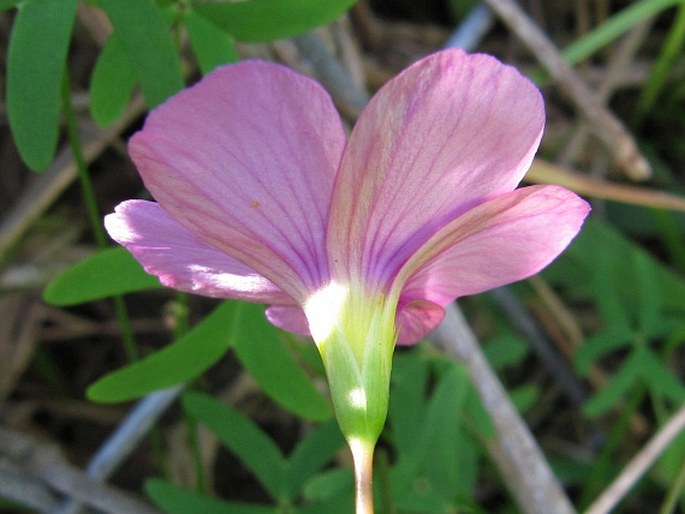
(93, 212)
(362, 455)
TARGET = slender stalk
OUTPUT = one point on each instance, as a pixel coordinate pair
(675, 493)
(670, 50)
(521, 462)
(384, 475)
(93, 211)
(638, 465)
(362, 455)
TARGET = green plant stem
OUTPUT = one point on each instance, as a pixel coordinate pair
(605, 464)
(671, 235)
(51, 373)
(93, 211)
(362, 455)
(384, 474)
(671, 50)
(674, 493)
(201, 485)
(181, 317)
(181, 327)
(87, 189)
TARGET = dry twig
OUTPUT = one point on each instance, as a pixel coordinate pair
(42, 192)
(517, 455)
(615, 71)
(31, 464)
(125, 439)
(637, 467)
(545, 172)
(602, 122)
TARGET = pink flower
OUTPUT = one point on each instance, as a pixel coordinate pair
(261, 197)
(360, 242)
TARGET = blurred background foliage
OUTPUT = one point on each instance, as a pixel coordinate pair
(591, 351)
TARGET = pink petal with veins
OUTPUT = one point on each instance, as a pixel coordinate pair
(183, 261)
(437, 140)
(503, 240)
(246, 160)
(288, 317)
(260, 199)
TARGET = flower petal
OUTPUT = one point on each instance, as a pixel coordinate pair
(417, 318)
(246, 160)
(438, 139)
(503, 240)
(288, 317)
(183, 261)
(414, 319)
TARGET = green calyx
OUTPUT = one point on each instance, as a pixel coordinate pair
(355, 334)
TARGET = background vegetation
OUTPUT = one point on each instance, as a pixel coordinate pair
(590, 352)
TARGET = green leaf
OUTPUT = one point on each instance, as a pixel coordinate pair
(107, 273)
(641, 365)
(310, 455)
(612, 392)
(647, 294)
(244, 438)
(341, 504)
(506, 350)
(421, 498)
(8, 4)
(407, 405)
(176, 500)
(212, 46)
(577, 268)
(266, 20)
(478, 418)
(330, 484)
(264, 356)
(146, 39)
(36, 64)
(606, 279)
(181, 361)
(446, 454)
(600, 344)
(525, 397)
(658, 377)
(112, 83)
(669, 54)
(613, 27)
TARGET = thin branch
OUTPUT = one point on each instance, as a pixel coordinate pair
(520, 460)
(25, 490)
(637, 467)
(555, 364)
(41, 193)
(471, 31)
(332, 73)
(125, 439)
(44, 462)
(546, 172)
(616, 69)
(602, 122)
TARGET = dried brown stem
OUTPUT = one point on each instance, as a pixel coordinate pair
(517, 455)
(42, 192)
(615, 71)
(602, 122)
(545, 172)
(32, 463)
(637, 467)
